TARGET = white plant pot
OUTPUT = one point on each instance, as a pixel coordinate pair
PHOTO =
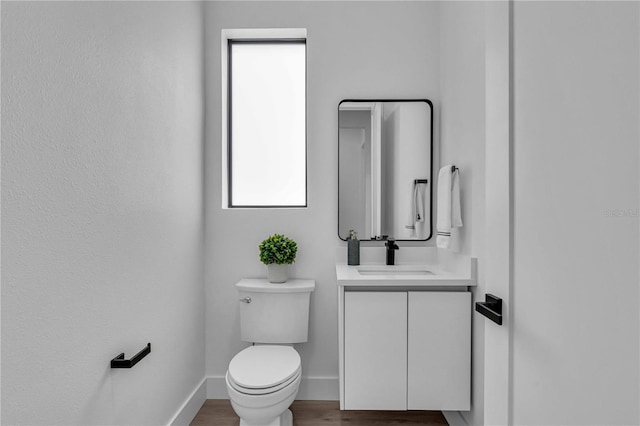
(277, 273)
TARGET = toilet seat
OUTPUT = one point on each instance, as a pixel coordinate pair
(260, 370)
(261, 391)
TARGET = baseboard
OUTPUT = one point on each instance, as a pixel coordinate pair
(319, 389)
(191, 405)
(455, 418)
(217, 388)
(311, 388)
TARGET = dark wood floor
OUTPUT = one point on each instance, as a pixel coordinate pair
(218, 412)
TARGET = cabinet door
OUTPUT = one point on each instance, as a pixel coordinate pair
(439, 357)
(375, 350)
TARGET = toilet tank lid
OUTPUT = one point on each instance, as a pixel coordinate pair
(262, 285)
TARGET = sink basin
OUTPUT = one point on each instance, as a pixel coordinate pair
(393, 270)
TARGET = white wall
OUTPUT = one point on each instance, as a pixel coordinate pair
(354, 50)
(462, 142)
(102, 218)
(575, 290)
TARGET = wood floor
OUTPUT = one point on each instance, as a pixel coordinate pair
(218, 412)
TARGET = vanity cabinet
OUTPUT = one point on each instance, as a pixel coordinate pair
(406, 350)
(375, 354)
(439, 351)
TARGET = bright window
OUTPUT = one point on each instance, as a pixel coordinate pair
(266, 123)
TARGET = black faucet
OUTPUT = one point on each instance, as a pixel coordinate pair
(391, 251)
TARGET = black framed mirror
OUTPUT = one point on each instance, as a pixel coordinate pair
(385, 169)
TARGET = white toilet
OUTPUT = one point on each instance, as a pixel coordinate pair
(263, 380)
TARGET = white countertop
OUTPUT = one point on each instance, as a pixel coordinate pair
(401, 276)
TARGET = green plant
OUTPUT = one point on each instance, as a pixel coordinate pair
(278, 249)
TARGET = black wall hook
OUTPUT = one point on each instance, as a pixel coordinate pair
(120, 362)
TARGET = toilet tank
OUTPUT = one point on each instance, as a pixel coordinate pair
(275, 313)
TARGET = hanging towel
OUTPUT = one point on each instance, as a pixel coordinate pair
(416, 208)
(449, 215)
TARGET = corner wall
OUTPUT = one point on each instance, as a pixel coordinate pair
(102, 217)
(462, 142)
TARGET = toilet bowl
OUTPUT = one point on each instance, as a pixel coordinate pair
(262, 382)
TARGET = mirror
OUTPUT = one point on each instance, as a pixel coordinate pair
(385, 150)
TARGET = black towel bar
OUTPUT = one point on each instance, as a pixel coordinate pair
(417, 181)
(491, 308)
(120, 362)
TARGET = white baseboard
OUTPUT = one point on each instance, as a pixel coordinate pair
(319, 389)
(455, 418)
(217, 388)
(311, 388)
(191, 406)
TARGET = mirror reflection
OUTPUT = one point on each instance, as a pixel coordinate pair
(385, 161)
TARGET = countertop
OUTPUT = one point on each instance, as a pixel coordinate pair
(349, 276)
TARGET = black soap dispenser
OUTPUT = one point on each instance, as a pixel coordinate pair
(353, 249)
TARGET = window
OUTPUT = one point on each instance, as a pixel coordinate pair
(266, 122)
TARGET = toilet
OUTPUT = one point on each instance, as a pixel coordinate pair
(263, 379)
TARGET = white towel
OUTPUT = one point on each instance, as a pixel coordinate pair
(416, 208)
(449, 215)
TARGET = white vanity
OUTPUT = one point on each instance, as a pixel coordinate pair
(405, 333)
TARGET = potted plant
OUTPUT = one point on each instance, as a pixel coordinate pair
(277, 252)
